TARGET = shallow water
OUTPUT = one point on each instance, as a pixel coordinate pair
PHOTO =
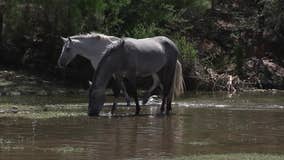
(200, 124)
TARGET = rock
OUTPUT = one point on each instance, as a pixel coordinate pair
(14, 110)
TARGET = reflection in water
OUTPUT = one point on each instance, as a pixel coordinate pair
(240, 127)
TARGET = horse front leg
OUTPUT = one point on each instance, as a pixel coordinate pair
(126, 96)
(135, 96)
(123, 88)
(91, 109)
(116, 85)
(133, 90)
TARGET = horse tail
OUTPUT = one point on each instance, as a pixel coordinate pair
(179, 84)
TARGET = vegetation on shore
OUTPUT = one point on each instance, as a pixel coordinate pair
(221, 41)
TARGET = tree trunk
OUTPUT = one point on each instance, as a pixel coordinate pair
(1, 24)
(2, 6)
(213, 4)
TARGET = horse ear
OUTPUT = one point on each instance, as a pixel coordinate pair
(64, 39)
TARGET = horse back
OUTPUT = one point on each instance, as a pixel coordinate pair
(147, 55)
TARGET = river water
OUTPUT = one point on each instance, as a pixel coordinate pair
(202, 123)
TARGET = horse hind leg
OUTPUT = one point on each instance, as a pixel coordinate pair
(156, 83)
(170, 98)
(162, 109)
(169, 105)
(168, 78)
(113, 108)
(137, 105)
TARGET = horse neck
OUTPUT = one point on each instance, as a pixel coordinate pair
(103, 76)
(92, 52)
(108, 67)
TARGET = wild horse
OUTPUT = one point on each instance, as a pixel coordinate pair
(92, 47)
(138, 57)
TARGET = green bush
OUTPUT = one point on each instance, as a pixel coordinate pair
(144, 31)
(187, 50)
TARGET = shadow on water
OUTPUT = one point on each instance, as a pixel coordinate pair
(240, 124)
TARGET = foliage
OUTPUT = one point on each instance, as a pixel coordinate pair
(187, 50)
(231, 31)
(32, 27)
(273, 14)
(143, 31)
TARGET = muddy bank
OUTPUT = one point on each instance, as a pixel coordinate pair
(257, 73)
(17, 83)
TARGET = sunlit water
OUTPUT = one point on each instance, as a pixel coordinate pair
(200, 124)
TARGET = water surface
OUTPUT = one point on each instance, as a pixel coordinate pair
(200, 124)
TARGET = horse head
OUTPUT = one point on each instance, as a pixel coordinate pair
(68, 52)
(96, 100)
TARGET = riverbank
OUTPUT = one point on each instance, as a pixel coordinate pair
(70, 105)
(17, 83)
(257, 73)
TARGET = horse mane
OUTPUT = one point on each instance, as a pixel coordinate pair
(112, 47)
(91, 35)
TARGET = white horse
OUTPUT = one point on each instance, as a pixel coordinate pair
(92, 46)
